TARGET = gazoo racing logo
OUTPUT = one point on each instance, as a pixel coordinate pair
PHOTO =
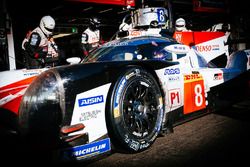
(90, 101)
(218, 76)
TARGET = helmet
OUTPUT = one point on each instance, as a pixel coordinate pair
(126, 23)
(94, 23)
(124, 27)
(180, 24)
(162, 55)
(47, 25)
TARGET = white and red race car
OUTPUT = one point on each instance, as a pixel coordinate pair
(122, 96)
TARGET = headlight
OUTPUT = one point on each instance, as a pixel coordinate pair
(42, 107)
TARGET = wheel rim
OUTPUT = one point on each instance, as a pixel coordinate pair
(140, 109)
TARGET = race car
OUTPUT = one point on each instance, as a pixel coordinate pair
(124, 95)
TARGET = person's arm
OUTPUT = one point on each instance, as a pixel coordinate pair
(85, 49)
(52, 48)
(85, 44)
(32, 46)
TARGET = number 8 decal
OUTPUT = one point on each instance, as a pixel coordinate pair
(194, 93)
(161, 15)
(198, 95)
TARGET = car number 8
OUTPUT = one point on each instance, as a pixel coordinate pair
(194, 93)
(161, 17)
(198, 95)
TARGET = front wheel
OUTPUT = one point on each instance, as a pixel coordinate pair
(136, 111)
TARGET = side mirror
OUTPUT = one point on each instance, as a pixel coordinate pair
(73, 60)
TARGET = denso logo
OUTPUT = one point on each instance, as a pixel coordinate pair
(172, 71)
(204, 48)
(90, 101)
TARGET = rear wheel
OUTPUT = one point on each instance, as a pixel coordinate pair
(136, 111)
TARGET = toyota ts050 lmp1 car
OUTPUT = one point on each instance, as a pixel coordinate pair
(124, 95)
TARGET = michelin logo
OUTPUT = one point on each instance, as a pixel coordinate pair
(91, 149)
(90, 101)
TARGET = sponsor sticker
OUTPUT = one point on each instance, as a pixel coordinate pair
(85, 116)
(31, 72)
(179, 48)
(194, 93)
(192, 77)
(207, 48)
(178, 37)
(89, 109)
(174, 97)
(90, 101)
(172, 71)
(116, 44)
(215, 47)
(84, 151)
(116, 112)
(135, 33)
(160, 15)
(218, 76)
(173, 78)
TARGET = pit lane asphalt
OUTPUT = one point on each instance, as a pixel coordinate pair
(221, 139)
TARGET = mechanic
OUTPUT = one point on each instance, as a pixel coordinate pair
(39, 47)
(125, 27)
(180, 25)
(91, 36)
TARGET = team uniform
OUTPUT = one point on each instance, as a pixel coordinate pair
(39, 48)
(91, 37)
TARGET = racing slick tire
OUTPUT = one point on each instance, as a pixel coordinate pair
(136, 111)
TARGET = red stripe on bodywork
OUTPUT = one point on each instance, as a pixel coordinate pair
(194, 38)
(13, 105)
(112, 2)
(201, 37)
(12, 89)
(26, 81)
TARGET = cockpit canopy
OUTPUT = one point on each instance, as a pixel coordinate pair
(143, 48)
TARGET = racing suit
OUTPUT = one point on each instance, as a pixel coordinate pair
(90, 40)
(39, 50)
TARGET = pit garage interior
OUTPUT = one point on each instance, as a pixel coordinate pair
(72, 17)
